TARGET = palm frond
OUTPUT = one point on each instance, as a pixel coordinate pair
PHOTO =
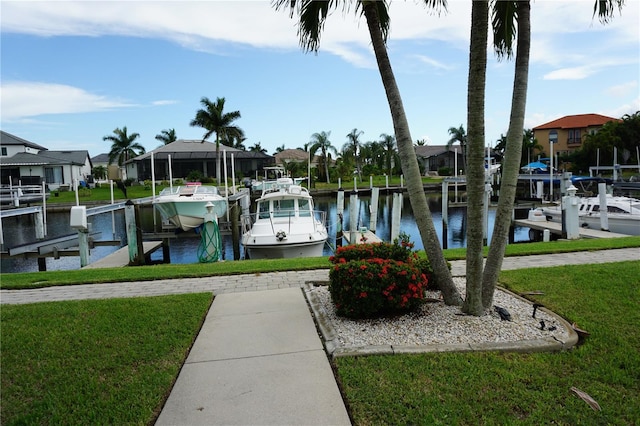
(503, 22)
(605, 9)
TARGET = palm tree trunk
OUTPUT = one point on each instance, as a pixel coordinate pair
(409, 162)
(513, 153)
(475, 174)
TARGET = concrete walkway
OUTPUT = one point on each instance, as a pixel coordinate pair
(258, 358)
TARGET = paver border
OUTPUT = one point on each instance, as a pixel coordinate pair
(334, 350)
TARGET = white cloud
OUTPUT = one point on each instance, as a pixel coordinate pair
(164, 102)
(29, 99)
(622, 89)
(574, 73)
(433, 63)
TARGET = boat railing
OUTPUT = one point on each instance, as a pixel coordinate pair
(276, 219)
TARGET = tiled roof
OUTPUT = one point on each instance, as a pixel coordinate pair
(579, 121)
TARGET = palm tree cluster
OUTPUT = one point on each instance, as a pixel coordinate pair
(511, 27)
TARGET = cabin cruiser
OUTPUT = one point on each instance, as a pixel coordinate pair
(623, 214)
(285, 224)
(185, 206)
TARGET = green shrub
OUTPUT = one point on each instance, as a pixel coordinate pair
(194, 176)
(444, 171)
(372, 280)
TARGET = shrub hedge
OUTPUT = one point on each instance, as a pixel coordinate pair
(377, 279)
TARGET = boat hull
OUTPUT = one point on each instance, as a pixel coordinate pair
(285, 251)
(183, 216)
(186, 208)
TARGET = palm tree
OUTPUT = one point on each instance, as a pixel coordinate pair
(352, 138)
(123, 147)
(388, 143)
(279, 149)
(235, 141)
(529, 145)
(258, 148)
(474, 167)
(167, 136)
(504, 15)
(320, 141)
(458, 135)
(213, 119)
(312, 15)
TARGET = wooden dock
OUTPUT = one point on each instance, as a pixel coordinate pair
(556, 228)
(120, 257)
(363, 237)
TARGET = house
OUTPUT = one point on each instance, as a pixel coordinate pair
(189, 155)
(571, 131)
(434, 157)
(102, 160)
(24, 162)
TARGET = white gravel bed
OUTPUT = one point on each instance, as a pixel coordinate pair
(436, 323)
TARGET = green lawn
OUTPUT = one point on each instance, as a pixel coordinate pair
(95, 361)
(497, 389)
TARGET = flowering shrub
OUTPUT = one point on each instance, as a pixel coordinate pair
(368, 280)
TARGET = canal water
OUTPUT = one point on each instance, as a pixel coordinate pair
(21, 230)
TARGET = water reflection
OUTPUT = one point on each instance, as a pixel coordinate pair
(21, 230)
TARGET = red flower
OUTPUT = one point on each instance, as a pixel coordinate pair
(363, 294)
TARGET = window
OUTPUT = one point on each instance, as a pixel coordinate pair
(574, 136)
(263, 210)
(283, 208)
(304, 208)
(53, 174)
(4, 151)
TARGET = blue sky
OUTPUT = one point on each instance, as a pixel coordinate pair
(72, 72)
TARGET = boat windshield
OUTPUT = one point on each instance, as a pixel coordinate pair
(303, 207)
(190, 190)
(283, 208)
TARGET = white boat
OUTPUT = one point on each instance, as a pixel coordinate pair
(185, 206)
(623, 214)
(285, 224)
(270, 180)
